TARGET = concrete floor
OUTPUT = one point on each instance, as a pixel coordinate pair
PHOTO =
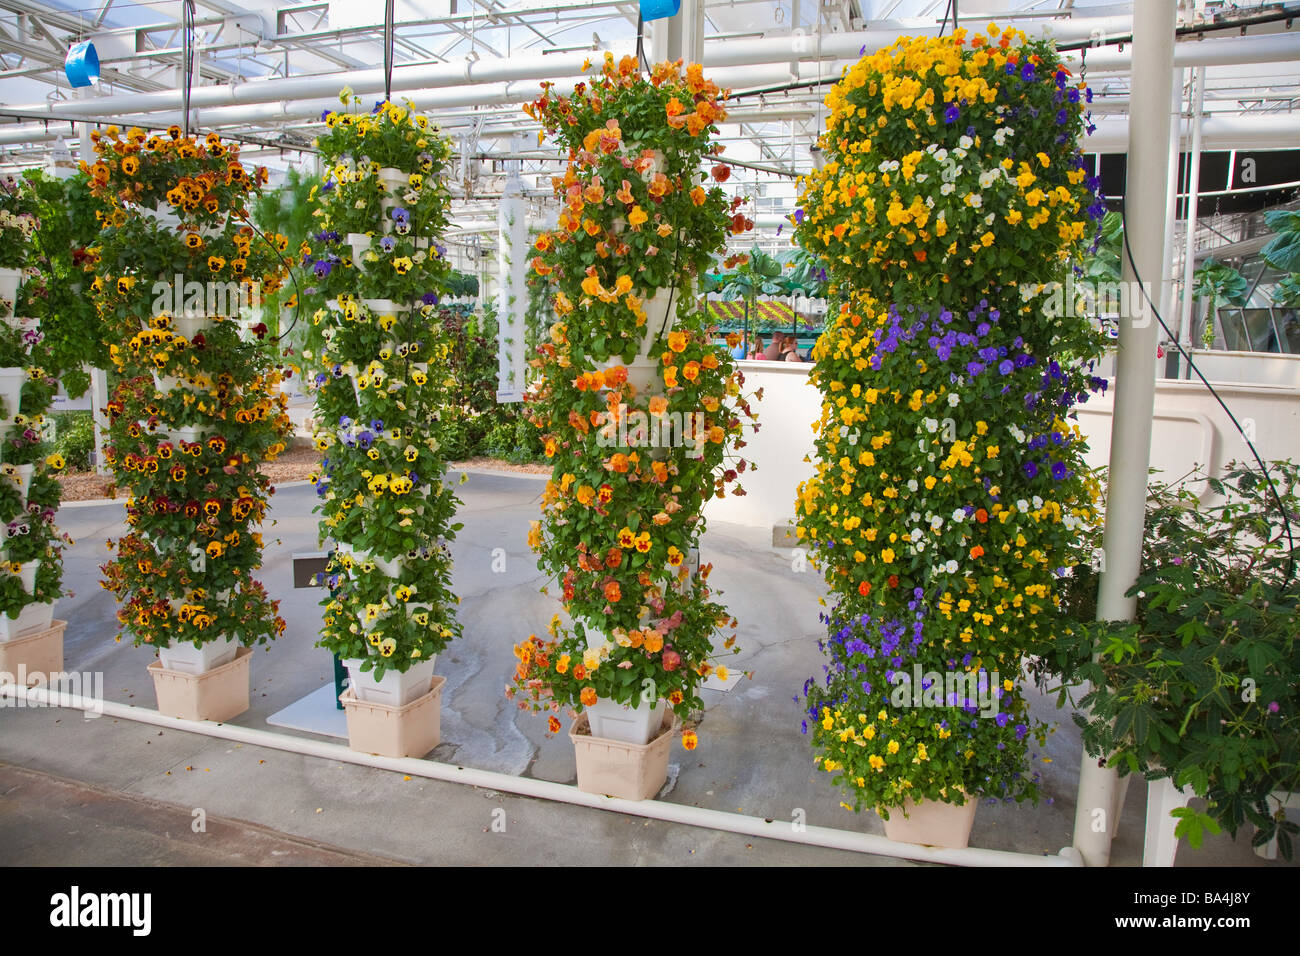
(106, 791)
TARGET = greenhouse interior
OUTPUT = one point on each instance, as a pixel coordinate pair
(761, 432)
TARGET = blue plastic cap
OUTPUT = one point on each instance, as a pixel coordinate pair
(82, 64)
(658, 9)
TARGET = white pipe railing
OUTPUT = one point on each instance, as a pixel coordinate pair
(770, 829)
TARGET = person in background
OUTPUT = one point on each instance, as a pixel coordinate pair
(790, 350)
(775, 348)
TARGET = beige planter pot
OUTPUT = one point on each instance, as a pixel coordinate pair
(411, 730)
(932, 823)
(218, 694)
(618, 769)
(35, 656)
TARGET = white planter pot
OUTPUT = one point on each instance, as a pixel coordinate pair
(166, 383)
(27, 575)
(11, 389)
(21, 475)
(642, 373)
(34, 617)
(661, 316)
(191, 324)
(187, 434)
(385, 306)
(392, 567)
(395, 690)
(631, 725)
(191, 659)
(10, 279)
(360, 243)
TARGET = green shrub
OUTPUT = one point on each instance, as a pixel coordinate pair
(74, 438)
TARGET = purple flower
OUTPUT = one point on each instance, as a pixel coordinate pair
(429, 298)
(325, 115)
(951, 114)
(400, 215)
(1031, 469)
(1059, 471)
(388, 243)
(798, 215)
(1273, 707)
(322, 268)
(1006, 367)
(1027, 73)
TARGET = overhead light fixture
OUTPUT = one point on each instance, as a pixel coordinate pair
(82, 64)
(818, 156)
(659, 9)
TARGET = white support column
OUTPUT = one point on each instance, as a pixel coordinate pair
(512, 301)
(98, 377)
(1184, 327)
(1176, 135)
(1154, 22)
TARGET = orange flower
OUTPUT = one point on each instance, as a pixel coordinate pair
(618, 463)
(691, 371)
(654, 642)
(540, 267)
(588, 697)
(553, 724)
(982, 516)
(613, 593)
(689, 740)
(543, 242)
(658, 405)
(864, 588)
(698, 195)
(977, 551)
(677, 341)
(674, 107)
(624, 194)
(586, 494)
(637, 217)
(605, 494)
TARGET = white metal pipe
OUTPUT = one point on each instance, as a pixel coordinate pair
(1261, 48)
(1171, 194)
(1184, 329)
(1251, 131)
(771, 829)
(769, 50)
(1154, 22)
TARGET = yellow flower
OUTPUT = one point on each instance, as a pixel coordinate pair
(892, 746)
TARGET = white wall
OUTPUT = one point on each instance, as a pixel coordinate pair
(1190, 429)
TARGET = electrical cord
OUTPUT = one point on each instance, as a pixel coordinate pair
(1272, 486)
(389, 39)
(187, 60)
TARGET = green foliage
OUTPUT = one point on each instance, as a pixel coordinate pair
(74, 438)
(1103, 264)
(58, 297)
(1283, 252)
(1220, 284)
(1202, 685)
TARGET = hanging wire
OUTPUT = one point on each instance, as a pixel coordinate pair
(389, 36)
(640, 44)
(187, 60)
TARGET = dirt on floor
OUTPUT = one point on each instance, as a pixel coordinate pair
(294, 465)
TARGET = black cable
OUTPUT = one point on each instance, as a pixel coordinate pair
(640, 43)
(1286, 522)
(944, 22)
(389, 38)
(187, 60)
(292, 272)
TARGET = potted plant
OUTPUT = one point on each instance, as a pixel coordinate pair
(177, 267)
(638, 411)
(31, 549)
(1199, 689)
(949, 485)
(17, 224)
(375, 269)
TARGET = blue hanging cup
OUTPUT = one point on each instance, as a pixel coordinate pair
(82, 64)
(658, 9)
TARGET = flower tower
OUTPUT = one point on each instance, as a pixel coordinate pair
(32, 547)
(380, 381)
(950, 483)
(638, 408)
(196, 410)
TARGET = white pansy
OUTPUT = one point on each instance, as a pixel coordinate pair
(947, 189)
(951, 567)
(988, 178)
(976, 200)
(954, 399)
(1022, 505)
(1038, 502)
(931, 425)
(965, 142)
(959, 515)
(936, 522)
(917, 534)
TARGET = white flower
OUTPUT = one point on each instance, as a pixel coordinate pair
(917, 534)
(988, 178)
(1038, 502)
(936, 522)
(951, 567)
(954, 399)
(959, 515)
(912, 485)
(921, 177)
(947, 189)
(920, 547)
(929, 201)
(976, 200)
(965, 142)
(1022, 505)
(941, 154)
(931, 425)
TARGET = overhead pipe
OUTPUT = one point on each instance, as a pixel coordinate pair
(772, 829)
(771, 50)
(1233, 51)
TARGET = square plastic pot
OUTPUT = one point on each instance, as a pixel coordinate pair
(619, 769)
(189, 659)
(394, 690)
(411, 730)
(33, 657)
(30, 620)
(932, 823)
(217, 695)
(633, 725)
